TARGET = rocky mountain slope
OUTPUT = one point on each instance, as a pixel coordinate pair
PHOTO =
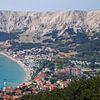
(75, 32)
(40, 26)
(44, 22)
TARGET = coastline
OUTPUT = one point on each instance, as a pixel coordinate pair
(22, 65)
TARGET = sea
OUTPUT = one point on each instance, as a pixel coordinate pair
(11, 73)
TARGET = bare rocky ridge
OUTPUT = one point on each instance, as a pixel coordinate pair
(45, 21)
(42, 23)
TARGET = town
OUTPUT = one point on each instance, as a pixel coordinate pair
(40, 77)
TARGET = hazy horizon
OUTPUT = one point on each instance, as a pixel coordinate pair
(49, 5)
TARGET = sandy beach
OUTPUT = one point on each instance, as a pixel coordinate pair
(23, 66)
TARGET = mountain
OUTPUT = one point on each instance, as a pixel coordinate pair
(46, 22)
(64, 30)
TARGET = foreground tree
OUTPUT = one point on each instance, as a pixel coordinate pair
(79, 89)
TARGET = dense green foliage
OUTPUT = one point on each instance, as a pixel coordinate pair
(83, 89)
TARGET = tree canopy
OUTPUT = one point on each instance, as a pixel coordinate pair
(79, 89)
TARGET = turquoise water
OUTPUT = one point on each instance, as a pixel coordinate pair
(11, 74)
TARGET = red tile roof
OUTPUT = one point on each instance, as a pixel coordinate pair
(42, 74)
(38, 79)
(7, 97)
(17, 91)
(34, 90)
(8, 88)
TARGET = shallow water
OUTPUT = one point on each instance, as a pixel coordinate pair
(11, 74)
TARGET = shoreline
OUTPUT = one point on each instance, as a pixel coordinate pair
(26, 69)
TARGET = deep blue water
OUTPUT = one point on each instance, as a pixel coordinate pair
(11, 74)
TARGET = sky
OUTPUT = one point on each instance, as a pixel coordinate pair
(47, 5)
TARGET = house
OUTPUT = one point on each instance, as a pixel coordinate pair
(8, 89)
(17, 92)
(63, 83)
(52, 87)
(7, 97)
(34, 90)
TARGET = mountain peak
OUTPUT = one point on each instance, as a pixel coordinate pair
(43, 22)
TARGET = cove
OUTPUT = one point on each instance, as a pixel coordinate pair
(11, 73)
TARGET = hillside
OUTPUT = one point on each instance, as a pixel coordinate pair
(78, 90)
(50, 42)
(34, 24)
(71, 32)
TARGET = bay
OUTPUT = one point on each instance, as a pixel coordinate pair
(11, 74)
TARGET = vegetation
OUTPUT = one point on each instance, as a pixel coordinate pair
(88, 50)
(79, 89)
(87, 47)
(1, 49)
